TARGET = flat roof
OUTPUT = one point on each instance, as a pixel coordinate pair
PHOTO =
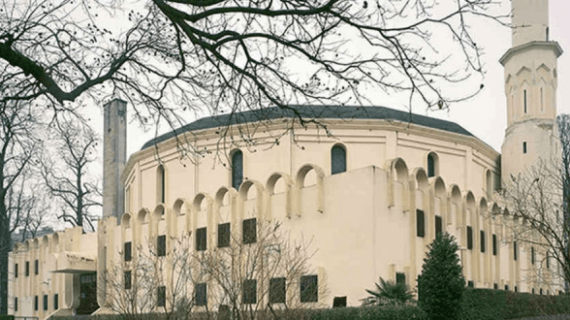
(311, 112)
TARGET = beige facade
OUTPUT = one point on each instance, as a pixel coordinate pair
(371, 193)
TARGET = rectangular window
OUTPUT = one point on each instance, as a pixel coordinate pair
(400, 278)
(495, 286)
(161, 296)
(161, 246)
(15, 270)
(200, 294)
(532, 255)
(15, 304)
(37, 267)
(515, 251)
(516, 289)
(469, 238)
(224, 232)
(438, 225)
(36, 303)
(420, 224)
(524, 94)
(309, 289)
(547, 261)
(201, 239)
(506, 287)
(494, 245)
(277, 290)
(482, 236)
(249, 294)
(128, 251)
(55, 301)
(470, 284)
(524, 147)
(45, 302)
(250, 231)
(27, 268)
(128, 199)
(128, 280)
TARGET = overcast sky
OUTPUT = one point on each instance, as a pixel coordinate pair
(484, 115)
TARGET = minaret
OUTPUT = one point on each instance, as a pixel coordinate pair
(530, 86)
(114, 157)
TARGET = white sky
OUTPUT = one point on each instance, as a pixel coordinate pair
(484, 115)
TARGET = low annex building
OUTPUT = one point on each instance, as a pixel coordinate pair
(371, 193)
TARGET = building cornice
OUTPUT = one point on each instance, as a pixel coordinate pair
(531, 45)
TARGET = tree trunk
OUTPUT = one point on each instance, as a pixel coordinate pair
(5, 245)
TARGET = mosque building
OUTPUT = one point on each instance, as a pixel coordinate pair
(371, 195)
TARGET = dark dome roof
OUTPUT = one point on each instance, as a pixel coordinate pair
(312, 112)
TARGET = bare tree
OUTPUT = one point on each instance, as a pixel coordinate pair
(254, 280)
(172, 57)
(18, 149)
(538, 203)
(66, 172)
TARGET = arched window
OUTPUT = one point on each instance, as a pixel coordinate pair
(237, 169)
(338, 159)
(160, 184)
(432, 165)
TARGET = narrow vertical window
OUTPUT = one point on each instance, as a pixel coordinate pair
(309, 289)
(160, 183)
(277, 290)
(27, 268)
(482, 236)
(224, 235)
(541, 99)
(55, 301)
(515, 251)
(36, 303)
(128, 251)
(201, 239)
(506, 287)
(250, 231)
(45, 302)
(161, 246)
(524, 98)
(532, 255)
(15, 270)
(494, 245)
(524, 147)
(438, 225)
(431, 165)
(547, 260)
(338, 159)
(161, 296)
(249, 294)
(37, 267)
(128, 280)
(237, 169)
(15, 304)
(128, 199)
(469, 238)
(200, 294)
(420, 223)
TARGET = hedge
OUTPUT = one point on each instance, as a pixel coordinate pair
(403, 312)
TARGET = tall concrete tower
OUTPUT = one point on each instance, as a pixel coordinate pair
(530, 87)
(114, 157)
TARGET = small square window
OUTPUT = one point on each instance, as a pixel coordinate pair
(249, 293)
(482, 237)
(400, 278)
(161, 246)
(37, 267)
(438, 225)
(45, 302)
(128, 280)
(250, 231)
(277, 290)
(55, 301)
(128, 251)
(470, 284)
(201, 239)
(27, 268)
(161, 296)
(309, 289)
(469, 238)
(494, 245)
(200, 294)
(420, 224)
(224, 232)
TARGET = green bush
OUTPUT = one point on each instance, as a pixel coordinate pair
(6, 317)
(388, 293)
(401, 312)
(441, 284)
